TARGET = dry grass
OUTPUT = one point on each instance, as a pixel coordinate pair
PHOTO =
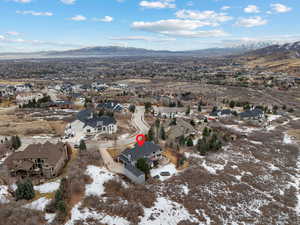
(120, 201)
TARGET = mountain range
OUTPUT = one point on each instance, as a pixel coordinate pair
(115, 51)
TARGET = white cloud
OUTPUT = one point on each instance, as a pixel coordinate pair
(161, 4)
(23, 1)
(106, 19)
(251, 21)
(68, 2)
(12, 33)
(251, 9)
(224, 8)
(34, 13)
(208, 15)
(78, 18)
(177, 27)
(280, 8)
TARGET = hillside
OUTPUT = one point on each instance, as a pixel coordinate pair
(276, 58)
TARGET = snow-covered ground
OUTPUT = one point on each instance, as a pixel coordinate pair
(103, 218)
(50, 217)
(48, 187)
(166, 212)
(167, 168)
(287, 139)
(3, 194)
(39, 204)
(99, 176)
(4, 158)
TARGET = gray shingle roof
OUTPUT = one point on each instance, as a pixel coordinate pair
(89, 118)
(251, 113)
(134, 170)
(141, 152)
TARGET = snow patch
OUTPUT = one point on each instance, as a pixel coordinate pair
(47, 187)
(3, 194)
(99, 176)
(166, 212)
(50, 217)
(39, 204)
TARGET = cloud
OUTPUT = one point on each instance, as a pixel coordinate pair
(177, 27)
(78, 18)
(280, 8)
(161, 4)
(12, 33)
(224, 8)
(142, 38)
(251, 9)
(251, 21)
(106, 19)
(68, 2)
(34, 13)
(23, 1)
(208, 15)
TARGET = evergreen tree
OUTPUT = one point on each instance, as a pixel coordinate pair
(82, 146)
(188, 111)
(25, 190)
(205, 132)
(150, 134)
(173, 122)
(193, 123)
(132, 108)
(232, 104)
(157, 123)
(181, 140)
(189, 142)
(199, 107)
(162, 133)
(143, 166)
(15, 142)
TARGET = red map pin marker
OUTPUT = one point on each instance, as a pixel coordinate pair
(140, 139)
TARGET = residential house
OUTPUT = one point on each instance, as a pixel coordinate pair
(46, 160)
(252, 114)
(88, 121)
(182, 128)
(168, 112)
(24, 98)
(149, 151)
(221, 113)
(111, 106)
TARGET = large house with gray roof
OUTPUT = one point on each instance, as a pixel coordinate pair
(149, 151)
(252, 114)
(90, 123)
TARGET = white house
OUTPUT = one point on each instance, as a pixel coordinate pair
(90, 123)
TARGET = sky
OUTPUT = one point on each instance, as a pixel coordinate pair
(38, 25)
